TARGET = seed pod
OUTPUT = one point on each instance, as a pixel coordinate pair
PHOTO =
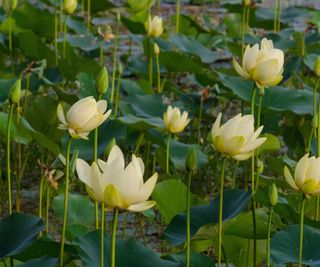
(102, 81)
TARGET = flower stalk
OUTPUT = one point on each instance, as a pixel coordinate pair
(115, 50)
(65, 203)
(168, 155)
(188, 218)
(302, 205)
(113, 237)
(102, 236)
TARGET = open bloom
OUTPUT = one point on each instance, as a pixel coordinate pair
(306, 176)
(264, 65)
(236, 138)
(83, 116)
(154, 26)
(174, 121)
(116, 186)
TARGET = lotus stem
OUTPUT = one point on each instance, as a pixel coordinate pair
(55, 32)
(279, 16)
(8, 157)
(64, 36)
(188, 218)
(158, 74)
(65, 204)
(95, 159)
(275, 16)
(41, 199)
(303, 200)
(244, 11)
(168, 154)
(113, 237)
(269, 235)
(117, 94)
(89, 14)
(318, 147)
(101, 54)
(220, 211)
(150, 62)
(47, 209)
(102, 236)
(114, 68)
(200, 119)
(177, 16)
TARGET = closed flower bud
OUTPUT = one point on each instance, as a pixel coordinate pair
(174, 121)
(154, 26)
(315, 121)
(306, 176)
(236, 138)
(191, 161)
(262, 65)
(83, 117)
(120, 70)
(15, 92)
(260, 166)
(118, 186)
(102, 81)
(273, 195)
(9, 5)
(317, 67)
(247, 2)
(156, 49)
(70, 6)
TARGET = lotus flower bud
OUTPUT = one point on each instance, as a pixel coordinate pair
(317, 67)
(315, 121)
(15, 92)
(102, 81)
(154, 26)
(306, 176)
(273, 195)
(156, 49)
(262, 65)
(247, 2)
(118, 16)
(70, 6)
(236, 138)
(174, 121)
(118, 186)
(191, 162)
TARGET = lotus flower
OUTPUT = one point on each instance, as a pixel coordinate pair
(174, 121)
(115, 185)
(154, 26)
(264, 65)
(306, 176)
(236, 138)
(83, 116)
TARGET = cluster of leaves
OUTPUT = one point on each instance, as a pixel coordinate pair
(196, 76)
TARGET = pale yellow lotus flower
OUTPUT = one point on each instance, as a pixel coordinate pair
(236, 138)
(264, 65)
(154, 26)
(115, 185)
(83, 116)
(70, 6)
(174, 121)
(306, 176)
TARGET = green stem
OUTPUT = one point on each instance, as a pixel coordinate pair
(269, 234)
(114, 68)
(275, 16)
(26, 94)
(55, 33)
(124, 225)
(89, 14)
(41, 199)
(64, 36)
(258, 125)
(200, 119)
(177, 16)
(113, 238)
(117, 95)
(188, 205)
(102, 236)
(168, 154)
(303, 200)
(65, 204)
(279, 16)
(47, 209)
(158, 6)
(101, 54)
(10, 37)
(310, 140)
(95, 159)
(220, 211)
(244, 11)
(61, 16)
(253, 97)
(150, 62)
(318, 117)
(8, 157)
(247, 19)
(158, 74)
